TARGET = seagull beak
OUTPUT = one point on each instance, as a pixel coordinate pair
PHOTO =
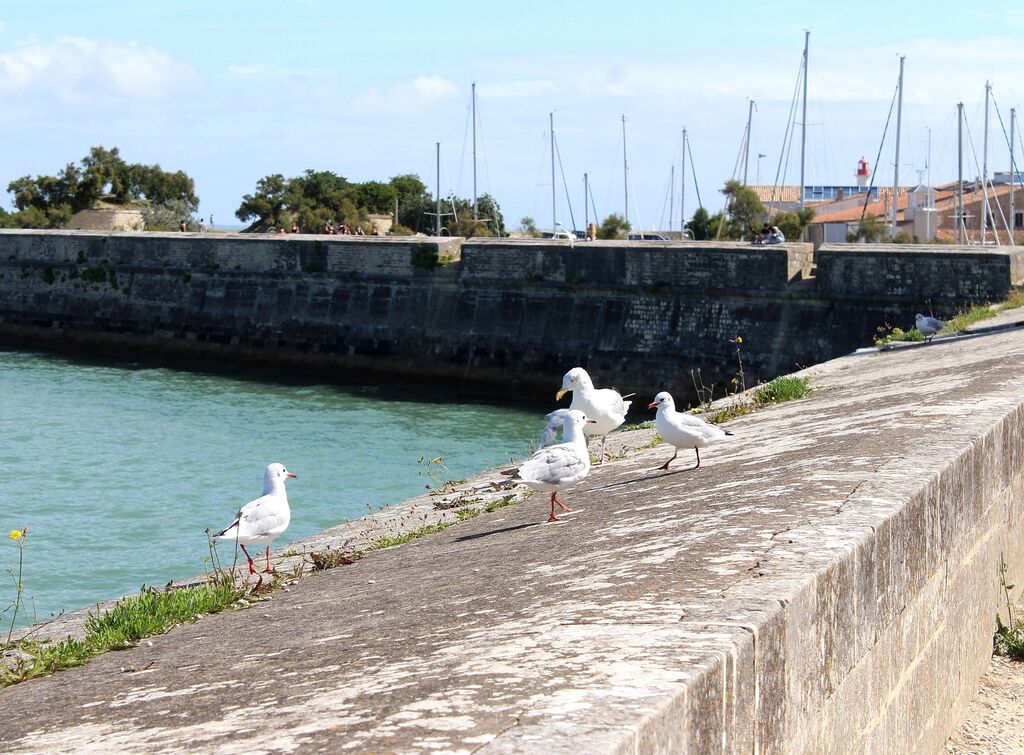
(652, 405)
(561, 392)
(289, 474)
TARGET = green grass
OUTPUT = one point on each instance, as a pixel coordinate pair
(960, 322)
(1009, 641)
(886, 336)
(389, 541)
(640, 425)
(149, 613)
(785, 388)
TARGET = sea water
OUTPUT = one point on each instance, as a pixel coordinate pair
(117, 469)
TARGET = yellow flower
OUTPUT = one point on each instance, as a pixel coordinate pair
(739, 339)
(15, 534)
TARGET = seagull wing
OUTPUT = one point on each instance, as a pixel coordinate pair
(257, 518)
(550, 432)
(556, 464)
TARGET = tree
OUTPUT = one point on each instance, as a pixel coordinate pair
(793, 224)
(613, 227)
(744, 211)
(870, 230)
(50, 201)
(704, 225)
(529, 227)
(266, 204)
(167, 215)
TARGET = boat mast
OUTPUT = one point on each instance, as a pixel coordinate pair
(473, 98)
(625, 172)
(960, 224)
(984, 172)
(437, 223)
(803, 125)
(1013, 176)
(586, 198)
(682, 188)
(554, 219)
(746, 145)
(671, 195)
(896, 165)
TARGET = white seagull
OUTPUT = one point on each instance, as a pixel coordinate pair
(928, 326)
(604, 406)
(259, 522)
(559, 466)
(683, 430)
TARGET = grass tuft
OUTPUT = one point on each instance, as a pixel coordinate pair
(782, 389)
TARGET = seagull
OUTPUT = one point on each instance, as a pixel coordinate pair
(683, 430)
(604, 406)
(559, 466)
(928, 326)
(259, 522)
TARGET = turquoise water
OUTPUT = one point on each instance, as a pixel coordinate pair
(117, 470)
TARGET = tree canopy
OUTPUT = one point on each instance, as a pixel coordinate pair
(50, 201)
(318, 197)
(743, 210)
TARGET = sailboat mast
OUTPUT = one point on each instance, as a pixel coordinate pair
(960, 172)
(746, 144)
(437, 222)
(554, 218)
(671, 195)
(984, 172)
(625, 172)
(896, 167)
(1013, 176)
(803, 125)
(586, 198)
(682, 188)
(475, 216)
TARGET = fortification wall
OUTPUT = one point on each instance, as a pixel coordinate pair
(489, 314)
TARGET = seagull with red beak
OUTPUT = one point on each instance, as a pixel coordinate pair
(553, 468)
(683, 430)
(259, 522)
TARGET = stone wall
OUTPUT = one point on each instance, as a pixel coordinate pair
(488, 314)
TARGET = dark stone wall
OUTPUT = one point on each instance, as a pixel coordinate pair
(484, 316)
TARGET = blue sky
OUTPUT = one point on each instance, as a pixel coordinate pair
(230, 91)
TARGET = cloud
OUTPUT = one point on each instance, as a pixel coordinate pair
(80, 70)
(414, 96)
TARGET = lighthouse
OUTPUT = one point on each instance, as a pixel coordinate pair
(863, 172)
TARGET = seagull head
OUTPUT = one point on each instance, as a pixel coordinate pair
(918, 317)
(574, 379)
(275, 476)
(663, 400)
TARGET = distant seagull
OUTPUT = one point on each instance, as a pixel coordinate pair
(259, 522)
(560, 466)
(683, 430)
(604, 406)
(928, 326)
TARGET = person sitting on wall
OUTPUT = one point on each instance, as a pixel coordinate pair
(295, 226)
(183, 226)
(775, 236)
(764, 234)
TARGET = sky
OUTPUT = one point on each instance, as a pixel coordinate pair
(230, 92)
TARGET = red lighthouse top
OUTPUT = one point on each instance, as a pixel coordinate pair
(862, 167)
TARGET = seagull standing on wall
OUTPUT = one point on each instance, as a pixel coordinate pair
(561, 466)
(928, 326)
(605, 407)
(683, 430)
(259, 522)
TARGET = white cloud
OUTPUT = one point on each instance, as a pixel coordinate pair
(414, 96)
(76, 69)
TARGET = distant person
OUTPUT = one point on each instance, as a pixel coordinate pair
(281, 231)
(776, 236)
(764, 234)
(591, 232)
(202, 226)
(295, 226)
(183, 225)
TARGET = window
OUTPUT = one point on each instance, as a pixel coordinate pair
(1018, 220)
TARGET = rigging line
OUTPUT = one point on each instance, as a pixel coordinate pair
(665, 204)
(593, 206)
(739, 155)
(565, 186)
(787, 137)
(462, 152)
(693, 170)
(977, 167)
(881, 146)
(451, 195)
(999, 205)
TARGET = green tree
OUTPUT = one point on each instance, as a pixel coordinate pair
(613, 227)
(267, 204)
(793, 224)
(704, 225)
(870, 230)
(743, 210)
(529, 226)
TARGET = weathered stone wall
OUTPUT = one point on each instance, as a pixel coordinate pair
(486, 313)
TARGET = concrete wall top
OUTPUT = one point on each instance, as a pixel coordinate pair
(700, 266)
(955, 274)
(280, 253)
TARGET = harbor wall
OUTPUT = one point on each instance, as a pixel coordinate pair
(486, 314)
